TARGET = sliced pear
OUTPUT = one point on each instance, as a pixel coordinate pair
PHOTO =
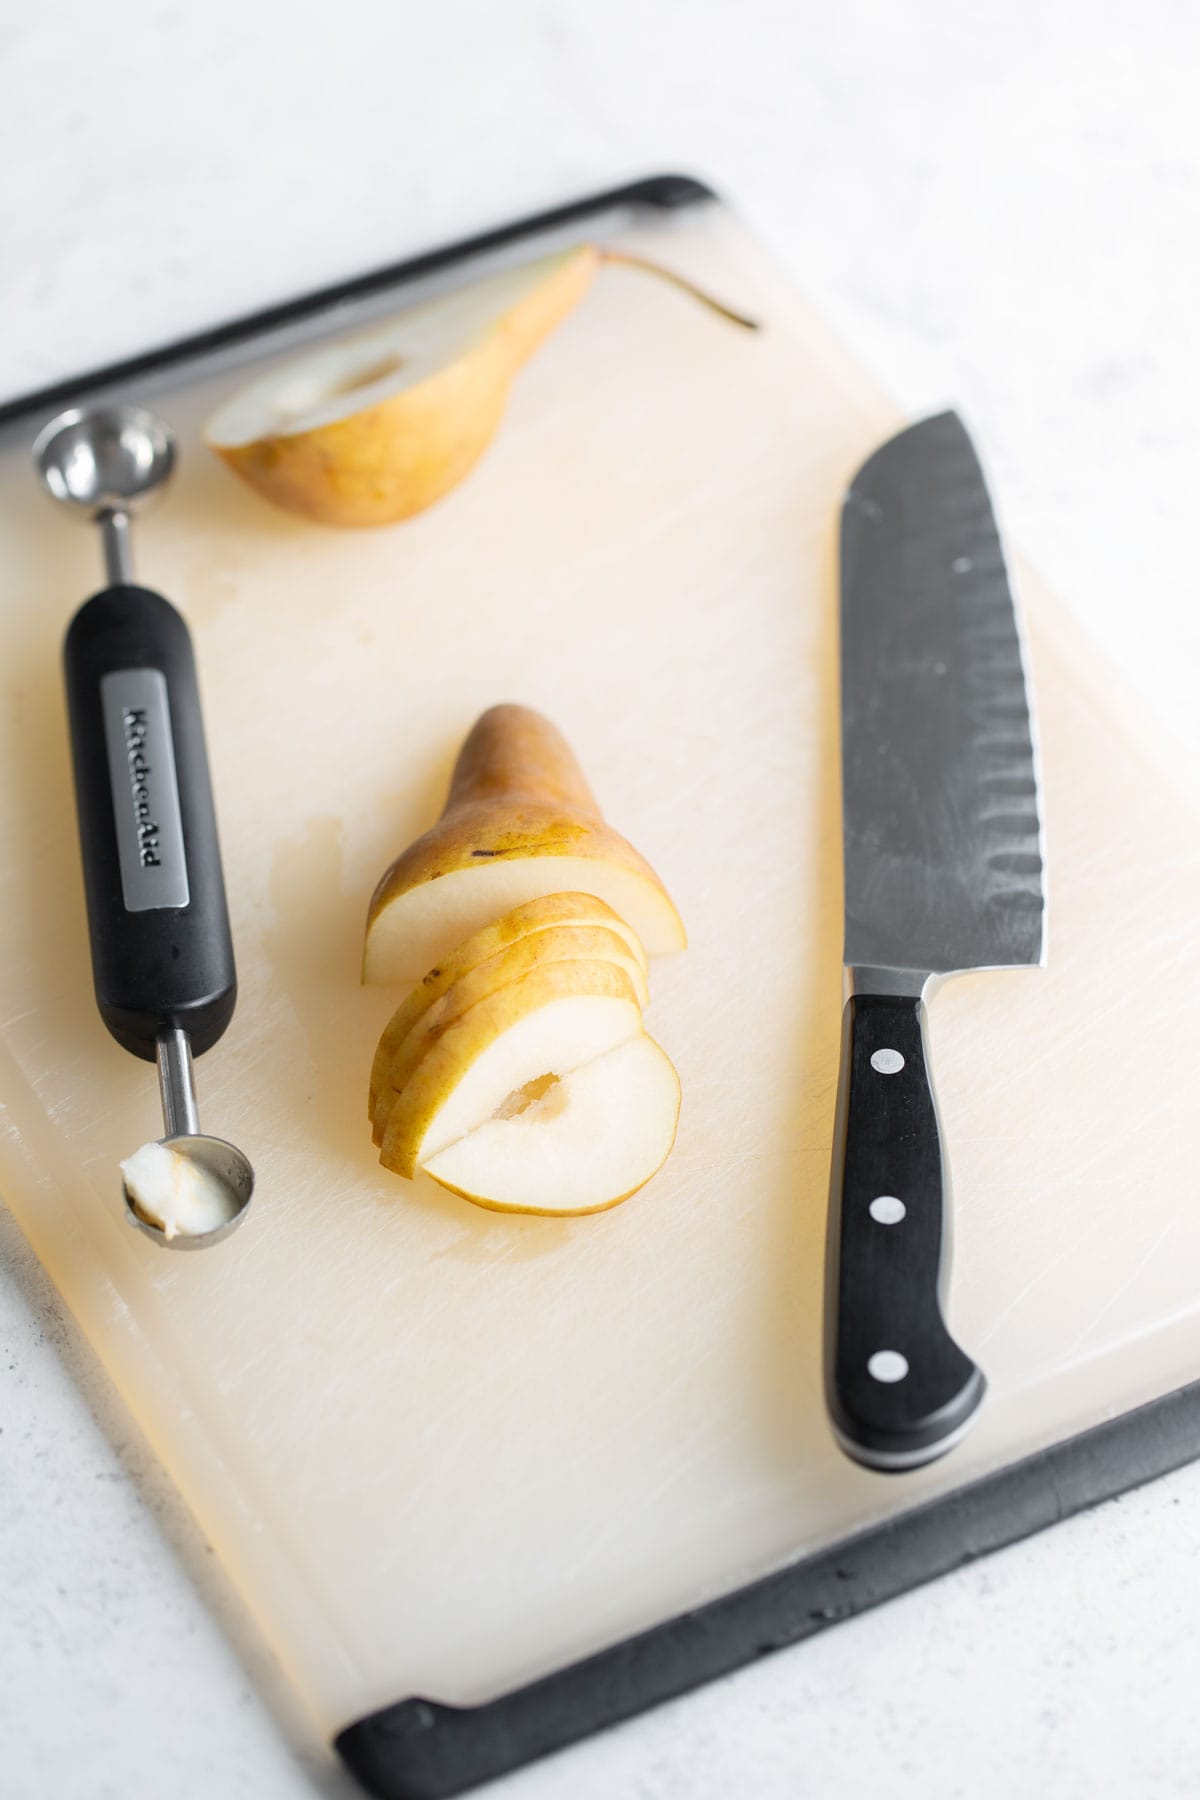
(559, 1017)
(592, 1138)
(467, 897)
(422, 1018)
(520, 822)
(538, 915)
(379, 426)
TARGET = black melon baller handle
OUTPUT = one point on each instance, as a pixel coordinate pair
(162, 953)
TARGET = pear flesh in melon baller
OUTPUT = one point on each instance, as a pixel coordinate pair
(520, 823)
(377, 427)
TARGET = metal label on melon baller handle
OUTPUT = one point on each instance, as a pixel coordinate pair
(145, 792)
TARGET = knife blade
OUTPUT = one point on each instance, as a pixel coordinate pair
(944, 872)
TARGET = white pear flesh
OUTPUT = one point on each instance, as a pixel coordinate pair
(597, 1135)
(416, 930)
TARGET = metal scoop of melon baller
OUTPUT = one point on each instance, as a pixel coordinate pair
(226, 1177)
(106, 462)
(162, 955)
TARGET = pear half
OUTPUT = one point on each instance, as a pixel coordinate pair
(421, 1019)
(520, 823)
(559, 1017)
(583, 1144)
(378, 426)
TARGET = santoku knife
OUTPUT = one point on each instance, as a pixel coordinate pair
(944, 873)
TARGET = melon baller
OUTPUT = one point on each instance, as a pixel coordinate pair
(162, 954)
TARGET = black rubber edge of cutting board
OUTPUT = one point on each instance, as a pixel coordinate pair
(662, 193)
(420, 1750)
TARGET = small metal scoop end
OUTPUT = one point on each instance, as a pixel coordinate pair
(101, 459)
(222, 1161)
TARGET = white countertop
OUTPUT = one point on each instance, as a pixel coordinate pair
(1001, 212)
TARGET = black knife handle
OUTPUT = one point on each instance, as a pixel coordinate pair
(162, 954)
(899, 1389)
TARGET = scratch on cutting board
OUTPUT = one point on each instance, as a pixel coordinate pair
(11, 1019)
(1044, 1269)
(1098, 1221)
(614, 1524)
(1118, 1293)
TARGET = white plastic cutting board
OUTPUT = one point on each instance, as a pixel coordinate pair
(441, 1451)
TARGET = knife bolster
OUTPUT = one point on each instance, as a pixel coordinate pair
(912, 984)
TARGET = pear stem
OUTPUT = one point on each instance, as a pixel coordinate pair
(632, 261)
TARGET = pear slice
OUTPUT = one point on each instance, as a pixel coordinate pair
(585, 1143)
(378, 426)
(422, 1018)
(559, 1017)
(520, 822)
